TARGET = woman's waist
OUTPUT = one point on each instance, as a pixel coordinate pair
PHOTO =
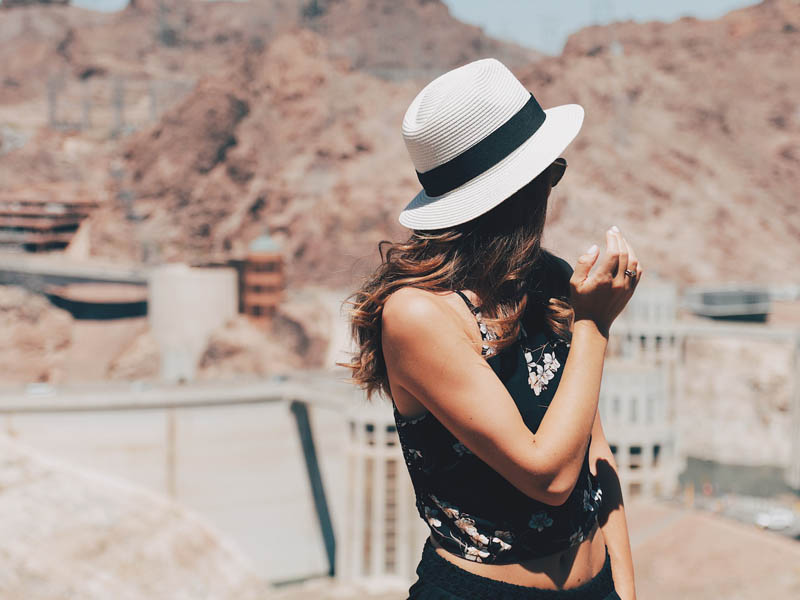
(490, 499)
(565, 569)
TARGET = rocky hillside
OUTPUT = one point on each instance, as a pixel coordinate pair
(690, 144)
(404, 40)
(283, 144)
(37, 337)
(283, 92)
(691, 141)
(287, 117)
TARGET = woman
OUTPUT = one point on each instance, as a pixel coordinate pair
(491, 350)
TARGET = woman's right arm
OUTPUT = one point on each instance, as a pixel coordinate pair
(429, 353)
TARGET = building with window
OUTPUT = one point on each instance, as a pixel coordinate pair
(263, 281)
(637, 396)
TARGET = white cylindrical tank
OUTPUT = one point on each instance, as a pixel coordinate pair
(185, 304)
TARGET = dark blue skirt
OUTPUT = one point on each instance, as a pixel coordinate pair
(439, 579)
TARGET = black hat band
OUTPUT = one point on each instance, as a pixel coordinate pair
(485, 154)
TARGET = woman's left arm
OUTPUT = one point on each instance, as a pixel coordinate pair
(612, 512)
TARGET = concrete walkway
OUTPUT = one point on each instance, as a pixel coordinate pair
(678, 553)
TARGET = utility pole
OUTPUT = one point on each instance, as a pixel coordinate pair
(118, 103)
(53, 86)
(604, 13)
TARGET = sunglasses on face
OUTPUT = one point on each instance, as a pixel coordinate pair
(557, 171)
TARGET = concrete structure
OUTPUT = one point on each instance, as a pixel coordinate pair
(647, 328)
(648, 335)
(639, 389)
(36, 271)
(637, 421)
(233, 454)
(263, 283)
(185, 305)
(228, 452)
(100, 300)
(36, 223)
(733, 302)
(382, 534)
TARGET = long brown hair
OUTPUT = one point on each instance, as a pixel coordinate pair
(493, 255)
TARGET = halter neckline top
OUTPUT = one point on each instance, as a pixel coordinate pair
(471, 510)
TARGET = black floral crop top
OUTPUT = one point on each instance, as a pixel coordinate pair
(473, 511)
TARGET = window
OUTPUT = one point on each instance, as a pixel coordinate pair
(370, 429)
(391, 438)
(266, 267)
(635, 454)
(263, 289)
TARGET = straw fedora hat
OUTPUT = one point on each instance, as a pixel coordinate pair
(476, 136)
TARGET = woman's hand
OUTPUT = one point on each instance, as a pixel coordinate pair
(601, 295)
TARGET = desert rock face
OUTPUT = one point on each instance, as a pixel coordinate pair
(689, 145)
(691, 141)
(405, 49)
(288, 151)
(36, 336)
(140, 359)
(291, 112)
(735, 405)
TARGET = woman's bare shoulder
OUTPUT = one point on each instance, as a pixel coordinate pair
(407, 301)
(411, 312)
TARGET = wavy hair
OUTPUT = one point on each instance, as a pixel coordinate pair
(494, 255)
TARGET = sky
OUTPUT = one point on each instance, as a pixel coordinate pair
(545, 25)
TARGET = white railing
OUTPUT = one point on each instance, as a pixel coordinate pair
(382, 534)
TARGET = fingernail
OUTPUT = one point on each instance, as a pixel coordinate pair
(615, 229)
(592, 249)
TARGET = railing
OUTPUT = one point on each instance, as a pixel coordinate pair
(382, 533)
(229, 452)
